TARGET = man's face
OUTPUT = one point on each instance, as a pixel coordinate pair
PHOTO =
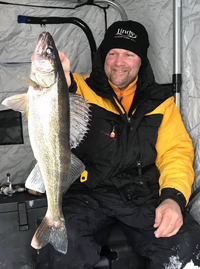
(121, 67)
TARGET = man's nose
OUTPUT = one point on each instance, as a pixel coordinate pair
(119, 61)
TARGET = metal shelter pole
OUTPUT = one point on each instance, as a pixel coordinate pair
(116, 5)
(177, 49)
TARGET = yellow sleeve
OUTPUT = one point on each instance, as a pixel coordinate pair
(175, 152)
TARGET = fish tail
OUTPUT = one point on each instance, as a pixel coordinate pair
(53, 232)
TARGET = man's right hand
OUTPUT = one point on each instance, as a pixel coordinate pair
(66, 66)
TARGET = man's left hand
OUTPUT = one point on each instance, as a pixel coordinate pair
(168, 219)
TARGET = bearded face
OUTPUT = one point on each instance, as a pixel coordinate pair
(121, 67)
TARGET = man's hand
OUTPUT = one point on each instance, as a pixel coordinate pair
(168, 219)
(66, 66)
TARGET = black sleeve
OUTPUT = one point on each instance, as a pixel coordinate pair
(73, 86)
(170, 193)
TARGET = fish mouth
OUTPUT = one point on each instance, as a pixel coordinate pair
(45, 53)
(45, 39)
(44, 62)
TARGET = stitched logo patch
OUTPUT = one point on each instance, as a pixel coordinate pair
(128, 34)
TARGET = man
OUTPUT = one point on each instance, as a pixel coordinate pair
(138, 159)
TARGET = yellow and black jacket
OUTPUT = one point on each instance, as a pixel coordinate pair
(139, 154)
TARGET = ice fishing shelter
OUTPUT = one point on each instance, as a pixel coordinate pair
(173, 28)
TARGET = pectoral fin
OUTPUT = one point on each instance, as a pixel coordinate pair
(28, 81)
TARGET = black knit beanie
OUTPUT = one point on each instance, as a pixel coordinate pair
(128, 35)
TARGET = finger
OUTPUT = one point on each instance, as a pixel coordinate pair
(173, 228)
(158, 218)
(61, 55)
(169, 229)
(64, 60)
(32, 57)
(166, 220)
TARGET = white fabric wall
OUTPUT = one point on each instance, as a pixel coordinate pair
(17, 42)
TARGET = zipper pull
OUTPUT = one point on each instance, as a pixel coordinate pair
(112, 134)
(128, 124)
(139, 166)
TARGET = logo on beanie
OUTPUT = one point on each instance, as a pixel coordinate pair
(126, 34)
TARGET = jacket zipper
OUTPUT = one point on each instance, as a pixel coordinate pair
(139, 167)
(139, 162)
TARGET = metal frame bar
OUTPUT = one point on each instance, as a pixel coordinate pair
(116, 5)
(61, 20)
(177, 49)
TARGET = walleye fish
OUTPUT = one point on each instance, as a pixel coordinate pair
(52, 135)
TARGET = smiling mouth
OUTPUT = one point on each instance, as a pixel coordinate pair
(119, 70)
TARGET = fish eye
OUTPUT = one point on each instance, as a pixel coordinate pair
(49, 51)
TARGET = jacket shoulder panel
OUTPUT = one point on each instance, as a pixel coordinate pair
(167, 105)
(86, 92)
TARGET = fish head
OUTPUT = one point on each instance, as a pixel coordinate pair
(44, 69)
